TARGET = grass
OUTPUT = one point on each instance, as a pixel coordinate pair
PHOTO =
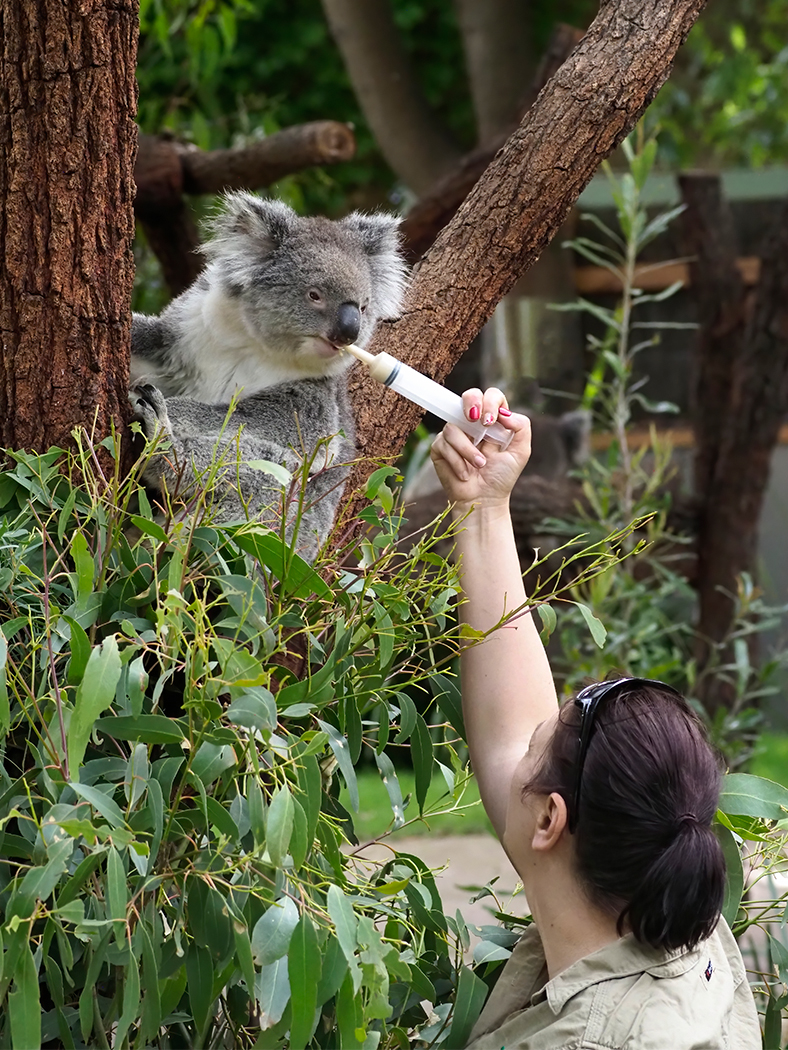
(375, 816)
(771, 757)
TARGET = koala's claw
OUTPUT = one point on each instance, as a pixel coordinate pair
(150, 409)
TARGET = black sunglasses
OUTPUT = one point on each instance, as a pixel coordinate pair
(588, 701)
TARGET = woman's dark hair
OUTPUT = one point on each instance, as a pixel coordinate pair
(644, 844)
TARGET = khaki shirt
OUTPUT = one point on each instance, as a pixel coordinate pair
(626, 995)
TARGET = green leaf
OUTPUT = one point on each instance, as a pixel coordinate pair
(275, 470)
(407, 718)
(279, 825)
(734, 874)
(24, 1007)
(150, 528)
(5, 707)
(388, 775)
(333, 971)
(147, 729)
(595, 626)
(151, 1014)
(96, 692)
(272, 989)
(548, 618)
(272, 932)
(303, 969)
(296, 575)
(299, 841)
(487, 951)
(80, 651)
(256, 709)
(751, 796)
(421, 750)
(209, 919)
(449, 700)
(254, 800)
(84, 568)
(137, 775)
(346, 924)
(117, 895)
(106, 806)
(339, 746)
(243, 953)
(131, 998)
(310, 782)
(350, 1017)
(468, 1003)
(199, 973)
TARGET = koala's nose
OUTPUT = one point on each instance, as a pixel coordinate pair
(348, 323)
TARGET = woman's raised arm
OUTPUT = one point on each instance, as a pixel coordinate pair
(507, 686)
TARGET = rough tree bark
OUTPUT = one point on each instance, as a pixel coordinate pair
(67, 142)
(520, 202)
(165, 170)
(409, 134)
(741, 397)
(496, 39)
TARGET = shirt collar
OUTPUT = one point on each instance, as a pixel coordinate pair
(621, 958)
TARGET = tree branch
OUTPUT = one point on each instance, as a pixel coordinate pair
(435, 209)
(592, 102)
(165, 170)
(409, 134)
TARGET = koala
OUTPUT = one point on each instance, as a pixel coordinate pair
(264, 323)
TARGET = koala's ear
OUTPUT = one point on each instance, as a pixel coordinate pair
(380, 240)
(576, 432)
(247, 222)
(378, 233)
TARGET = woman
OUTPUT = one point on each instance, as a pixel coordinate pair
(604, 807)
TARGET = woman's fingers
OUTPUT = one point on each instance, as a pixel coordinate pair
(458, 451)
(484, 407)
(492, 403)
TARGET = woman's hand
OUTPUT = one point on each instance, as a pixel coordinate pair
(483, 475)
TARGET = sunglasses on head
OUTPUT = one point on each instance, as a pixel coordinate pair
(588, 701)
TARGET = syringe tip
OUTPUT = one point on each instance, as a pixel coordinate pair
(362, 355)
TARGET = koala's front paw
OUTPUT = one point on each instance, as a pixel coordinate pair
(150, 409)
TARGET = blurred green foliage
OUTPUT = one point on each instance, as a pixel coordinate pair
(727, 102)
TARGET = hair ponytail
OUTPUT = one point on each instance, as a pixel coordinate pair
(679, 900)
(644, 847)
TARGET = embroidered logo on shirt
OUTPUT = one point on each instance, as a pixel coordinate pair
(708, 971)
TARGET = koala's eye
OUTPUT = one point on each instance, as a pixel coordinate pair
(363, 308)
(314, 295)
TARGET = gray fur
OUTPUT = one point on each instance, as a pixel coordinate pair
(279, 294)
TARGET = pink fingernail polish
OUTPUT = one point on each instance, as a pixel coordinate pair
(504, 412)
(474, 413)
(489, 418)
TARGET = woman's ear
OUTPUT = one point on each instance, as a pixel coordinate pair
(550, 823)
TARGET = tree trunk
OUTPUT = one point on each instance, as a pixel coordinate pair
(741, 397)
(496, 38)
(67, 142)
(591, 103)
(410, 136)
(436, 208)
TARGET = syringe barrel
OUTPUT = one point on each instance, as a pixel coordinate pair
(437, 399)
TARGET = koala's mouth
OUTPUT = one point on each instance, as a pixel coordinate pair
(325, 348)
